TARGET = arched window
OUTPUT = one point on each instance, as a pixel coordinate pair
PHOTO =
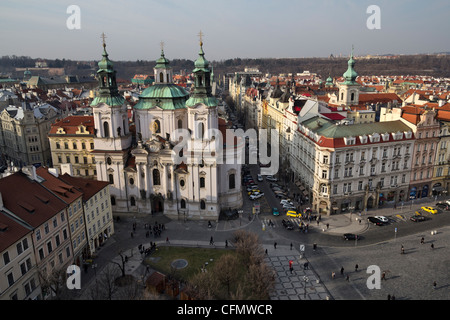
(111, 178)
(352, 96)
(108, 161)
(157, 126)
(203, 205)
(183, 204)
(106, 129)
(231, 181)
(161, 77)
(180, 124)
(132, 201)
(156, 177)
(113, 200)
(201, 130)
(202, 182)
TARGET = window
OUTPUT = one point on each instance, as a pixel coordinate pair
(10, 279)
(6, 258)
(19, 248)
(183, 204)
(202, 182)
(106, 129)
(231, 181)
(156, 177)
(132, 201)
(202, 205)
(74, 145)
(111, 178)
(180, 124)
(41, 253)
(157, 126)
(38, 235)
(324, 174)
(113, 200)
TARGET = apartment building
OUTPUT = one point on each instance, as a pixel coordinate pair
(71, 142)
(97, 207)
(18, 272)
(354, 167)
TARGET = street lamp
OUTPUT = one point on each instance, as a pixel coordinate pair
(305, 279)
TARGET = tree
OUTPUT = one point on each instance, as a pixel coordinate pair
(226, 270)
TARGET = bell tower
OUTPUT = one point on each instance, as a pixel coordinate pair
(112, 137)
(349, 89)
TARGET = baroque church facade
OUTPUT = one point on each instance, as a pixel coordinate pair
(152, 173)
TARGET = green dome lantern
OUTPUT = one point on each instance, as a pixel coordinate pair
(350, 75)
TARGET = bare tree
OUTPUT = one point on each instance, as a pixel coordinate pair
(226, 270)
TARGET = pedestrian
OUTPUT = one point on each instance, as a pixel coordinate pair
(333, 275)
(167, 240)
(403, 250)
(389, 297)
(434, 285)
(422, 241)
(342, 270)
(314, 246)
(356, 267)
(266, 252)
(291, 245)
(305, 266)
(275, 245)
(347, 278)
(432, 246)
(328, 225)
(383, 276)
(211, 241)
(131, 234)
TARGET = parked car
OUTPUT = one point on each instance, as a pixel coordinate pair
(260, 177)
(288, 207)
(255, 196)
(284, 201)
(417, 218)
(351, 236)
(375, 221)
(429, 209)
(271, 178)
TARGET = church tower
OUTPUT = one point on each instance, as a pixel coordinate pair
(349, 89)
(202, 105)
(112, 140)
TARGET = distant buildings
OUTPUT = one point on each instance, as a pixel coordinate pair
(353, 142)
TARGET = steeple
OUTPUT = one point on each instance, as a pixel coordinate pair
(106, 76)
(162, 70)
(202, 74)
(350, 75)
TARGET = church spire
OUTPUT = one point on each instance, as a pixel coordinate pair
(106, 76)
(350, 75)
(202, 92)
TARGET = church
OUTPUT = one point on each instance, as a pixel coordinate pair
(149, 173)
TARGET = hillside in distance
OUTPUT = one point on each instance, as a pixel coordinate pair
(437, 65)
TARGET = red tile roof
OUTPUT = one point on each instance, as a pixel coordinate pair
(10, 231)
(29, 200)
(71, 125)
(88, 187)
(64, 191)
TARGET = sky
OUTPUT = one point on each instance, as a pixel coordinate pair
(232, 28)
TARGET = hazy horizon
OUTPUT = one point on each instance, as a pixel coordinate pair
(246, 29)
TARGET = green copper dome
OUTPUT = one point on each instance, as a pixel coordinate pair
(167, 96)
(105, 64)
(162, 62)
(201, 63)
(350, 75)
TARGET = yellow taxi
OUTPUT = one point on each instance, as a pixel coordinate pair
(293, 214)
(429, 209)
